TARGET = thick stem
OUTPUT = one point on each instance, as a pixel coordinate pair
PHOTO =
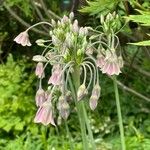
(76, 81)
(119, 115)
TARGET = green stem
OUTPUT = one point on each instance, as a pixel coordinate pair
(76, 81)
(89, 127)
(69, 136)
(119, 114)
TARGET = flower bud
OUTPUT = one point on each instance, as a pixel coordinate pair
(93, 102)
(82, 91)
(95, 96)
(39, 58)
(71, 15)
(65, 19)
(40, 42)
(53, 23)
(63, 107)
(40, 97)
(55, 40)
(96, 91)
(39, 71)
(75, 27)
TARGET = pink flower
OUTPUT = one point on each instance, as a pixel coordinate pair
(111, 65)
(40, 97)
(23, 39)
(44, 114)
(55, 78)
(100, 60)
(39, 71)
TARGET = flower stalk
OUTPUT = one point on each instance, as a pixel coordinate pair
(123, 146)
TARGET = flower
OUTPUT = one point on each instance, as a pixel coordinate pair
(40, 97)
(100, 60)
(44, 114)
(23, 39)
(55, 78)
(39, 71)
(63, 107)
(111, 65)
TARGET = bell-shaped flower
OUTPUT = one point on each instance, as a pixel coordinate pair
(56, 76)
(82, 91)
(111, 65)
(40, 97)
(23, 39)
(44, 114)
(39, 71)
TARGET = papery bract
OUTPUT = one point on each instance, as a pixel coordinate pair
(23, 39)
(44, 114)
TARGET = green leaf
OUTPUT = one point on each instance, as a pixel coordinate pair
(100, 6)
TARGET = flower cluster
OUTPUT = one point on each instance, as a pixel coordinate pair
(70, 47)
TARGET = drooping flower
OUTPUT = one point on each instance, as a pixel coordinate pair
(40, 97)
(95, 96)
(56, 76)
(82, 91)
(111, 65)
(23, 39)
(63, 107)
(44, 114)
(39, 71)
(100, 60)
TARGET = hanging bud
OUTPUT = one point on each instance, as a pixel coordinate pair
(82, 91)
(56, 77)
(63, 107)
(95, 96)
(93, 102)
(39, 71)
(40, 97)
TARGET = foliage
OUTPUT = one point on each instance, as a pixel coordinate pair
(16, 96)
(98, 7)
